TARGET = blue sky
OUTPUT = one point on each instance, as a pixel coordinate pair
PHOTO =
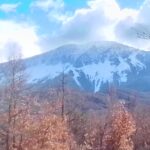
(70, 5)
(50, 23)
(130, 3)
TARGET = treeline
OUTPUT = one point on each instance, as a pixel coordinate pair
(27, 123)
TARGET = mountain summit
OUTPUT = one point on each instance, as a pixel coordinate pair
(93, 66)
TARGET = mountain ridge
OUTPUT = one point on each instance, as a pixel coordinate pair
(92, 67)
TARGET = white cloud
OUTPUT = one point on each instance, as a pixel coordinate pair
(99, 20)
(88, 23)
(47, 5)
(106, 20)
(144, 13)
(95, 22)
(109, 8)
(20, 36)
(53, 9)
(134, 30)
(7, 8)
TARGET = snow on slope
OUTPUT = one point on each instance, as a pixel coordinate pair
(97, 72)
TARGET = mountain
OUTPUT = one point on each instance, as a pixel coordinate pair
(92, 67)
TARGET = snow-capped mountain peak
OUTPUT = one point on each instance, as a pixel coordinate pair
(91, 66)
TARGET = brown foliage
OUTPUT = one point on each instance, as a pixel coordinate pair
(36, 131)
(120, 130)
(113, 133)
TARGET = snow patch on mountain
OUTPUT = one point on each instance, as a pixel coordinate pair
(98, 63)
(135, 62)
(95, 73)
(103, 72)
(40, 71)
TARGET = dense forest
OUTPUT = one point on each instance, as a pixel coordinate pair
(33, 121)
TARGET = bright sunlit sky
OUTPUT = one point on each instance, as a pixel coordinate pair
(36, 26)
